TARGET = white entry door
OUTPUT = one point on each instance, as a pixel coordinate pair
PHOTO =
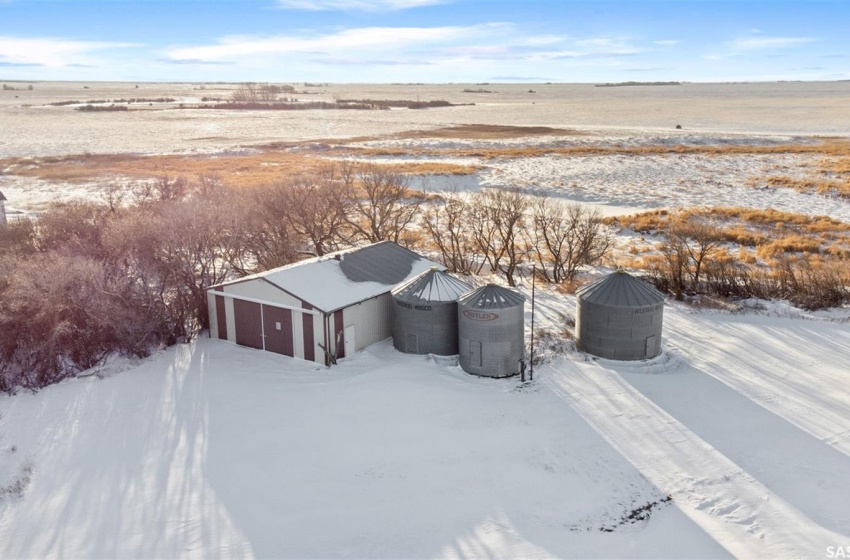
(350, 341)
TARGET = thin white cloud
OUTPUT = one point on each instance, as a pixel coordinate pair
(357, 5)
(606, 46)
(540, 40)
(341, 43)
(52, 52)
(666, 42)
(761, 42)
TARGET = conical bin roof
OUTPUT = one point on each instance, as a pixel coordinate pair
(620, 289)
(491, 296)
(430, 286)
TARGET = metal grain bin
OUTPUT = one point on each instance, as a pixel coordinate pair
(491, 331)
(619, 317)
(425, 313)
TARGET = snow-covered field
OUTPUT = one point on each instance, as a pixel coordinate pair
(734, 442)
(33, 128)
(211, 450)
(622, 184)
(632, 117)
(616, 183)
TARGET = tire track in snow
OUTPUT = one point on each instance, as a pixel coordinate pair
(730, 505)
(797, 370)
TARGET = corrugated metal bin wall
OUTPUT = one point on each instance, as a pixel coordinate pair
(619, 317)
(619, 333)
(491, 339)
(425, 314)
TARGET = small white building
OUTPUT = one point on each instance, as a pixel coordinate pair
(334, 305)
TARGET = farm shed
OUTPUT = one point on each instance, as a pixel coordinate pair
(340, 302)
(491, 331)
(619, 317)
(2, 209)
(425, 313)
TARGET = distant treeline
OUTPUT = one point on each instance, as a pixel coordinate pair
(102, 101)
(622, 84)
(99, 108)
(7, 87)
(362, 104)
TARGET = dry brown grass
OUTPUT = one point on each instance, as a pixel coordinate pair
(645, 222)
(831, 175)
(281, 161)
(813, 185)
(767, 232)
(235, 170)
(788, 244)
(631, 263)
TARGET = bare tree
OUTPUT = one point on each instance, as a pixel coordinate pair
(448, 224)
(384, 207)
(497, 220)
(317, 206)
(260, 233)
(566, 237)
(161, 189)
(251, 92)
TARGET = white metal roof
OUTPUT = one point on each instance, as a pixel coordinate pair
(340, 279)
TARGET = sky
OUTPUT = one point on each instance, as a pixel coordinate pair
(431, 41)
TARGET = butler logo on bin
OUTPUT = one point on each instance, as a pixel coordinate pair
(480, 315)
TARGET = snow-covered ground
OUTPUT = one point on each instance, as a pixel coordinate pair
(210, 450)
(734, 442)
(622, 183)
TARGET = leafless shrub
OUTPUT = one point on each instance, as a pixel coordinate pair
(17, 239)
(688, 247)
(75, 228)
(59, 315)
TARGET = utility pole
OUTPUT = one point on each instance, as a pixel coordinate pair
(531, 364)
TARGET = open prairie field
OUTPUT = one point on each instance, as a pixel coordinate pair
(35, 128)
(765, 145)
